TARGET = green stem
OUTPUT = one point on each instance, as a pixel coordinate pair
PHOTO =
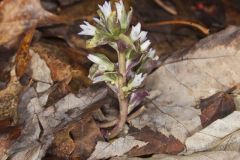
(123, 100)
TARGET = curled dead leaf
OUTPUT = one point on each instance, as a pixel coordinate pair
(216, 107)
(157, 143)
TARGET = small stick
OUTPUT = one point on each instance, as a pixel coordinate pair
(114, 122)
(136, 113)
(166, 7)
(201, 28)
(108, 124)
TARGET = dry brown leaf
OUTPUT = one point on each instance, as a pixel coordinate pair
(209, 67)
(215, 155)
(83, 10)
(18, 16)
(178, 121)
(229, 143)
(118, 147)
(66, 3)
(21, 15)
(60, 71)
(23, 58)
(157, 143)
(40, 71)
(85, 137)
(61, 65)
(9, 98)
(63, 145)
(39, 123)
(209, 137)
(76, 140)
(215, 107)
(8, 135)
(206, 68)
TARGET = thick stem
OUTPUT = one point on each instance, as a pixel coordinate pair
(123, 100)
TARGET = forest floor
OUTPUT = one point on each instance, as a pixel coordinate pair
(49, 108)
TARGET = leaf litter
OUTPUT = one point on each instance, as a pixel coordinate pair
(47, 101)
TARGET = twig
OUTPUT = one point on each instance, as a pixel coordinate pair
(166, 7)
(201, 28)
(108, 124)
(136, 113)
(115, 121)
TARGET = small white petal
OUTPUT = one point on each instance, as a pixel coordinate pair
(156, 58)
(129, 17)
(143, 36)
(137, 81)
(106, 9)
(97, 20)
(120, 8)
(94, 59)
(135, 32)
(87, 29)
(145, 45)
(151, 53)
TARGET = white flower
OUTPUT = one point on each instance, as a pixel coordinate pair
(137, 80)
(129, 18)
(143, 36)
(136, 33)
(144, 46)
(120, 10)
(151, 54)
(87, 29)
(106, 9)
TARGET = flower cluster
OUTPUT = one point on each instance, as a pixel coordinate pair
(112, 28)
